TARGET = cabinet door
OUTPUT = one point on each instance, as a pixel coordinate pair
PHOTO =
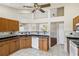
(17, 44)
(13, 23)
(9, 25)
(45, 45)
(12, 46)
(16, 26)
(3, 25)
(28, 42)
(75, 21)
(22, 43)
(4, 49)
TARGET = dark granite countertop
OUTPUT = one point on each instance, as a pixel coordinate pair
(8, 38)
(73, 36)
(74, 39)
(17, 36)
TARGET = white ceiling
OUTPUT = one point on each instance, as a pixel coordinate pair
(19, 5)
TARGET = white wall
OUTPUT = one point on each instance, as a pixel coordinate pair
(8, 12)
(53, 30)
(71, 11)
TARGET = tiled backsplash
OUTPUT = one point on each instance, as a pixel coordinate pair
(7, 33)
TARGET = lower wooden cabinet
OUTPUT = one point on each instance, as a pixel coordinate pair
(44, 44)
(25, 42)
(17, 44)
(22, 42)
(4, 48)
(28, 42)
(13, 46)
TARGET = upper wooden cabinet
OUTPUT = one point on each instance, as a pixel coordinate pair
(8, 25)
(75, 21)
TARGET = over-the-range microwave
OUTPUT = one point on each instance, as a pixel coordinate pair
(77, 27)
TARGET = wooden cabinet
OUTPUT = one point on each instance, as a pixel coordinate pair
(17, 44)
(4, 48)
(8, 25)
(28, 42)
(75, 21)
(13, 25)
(12, 46)
(40, 44)
(8, 47)
(44, 44)
(25, 42)
(22, 42)
(3, 25)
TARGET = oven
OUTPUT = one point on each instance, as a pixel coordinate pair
(73, 48)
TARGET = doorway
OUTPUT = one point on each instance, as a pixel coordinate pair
(60, 33)
(56, 33)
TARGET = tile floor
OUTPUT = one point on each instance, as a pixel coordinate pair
(57, 50)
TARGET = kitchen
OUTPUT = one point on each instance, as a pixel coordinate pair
(24, 31)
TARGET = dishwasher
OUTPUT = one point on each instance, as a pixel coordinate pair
(35, 42)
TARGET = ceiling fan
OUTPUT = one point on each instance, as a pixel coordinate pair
(36, 6)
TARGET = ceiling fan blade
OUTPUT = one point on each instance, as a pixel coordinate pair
(42, 10)
(33, 11)
(36, 5)
(45, 5)
(27, 6)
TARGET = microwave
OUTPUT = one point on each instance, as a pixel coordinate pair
(77, 27)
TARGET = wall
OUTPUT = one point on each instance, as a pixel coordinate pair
(71, 11)
(53, 30)
(24, 17)
(8, 12)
